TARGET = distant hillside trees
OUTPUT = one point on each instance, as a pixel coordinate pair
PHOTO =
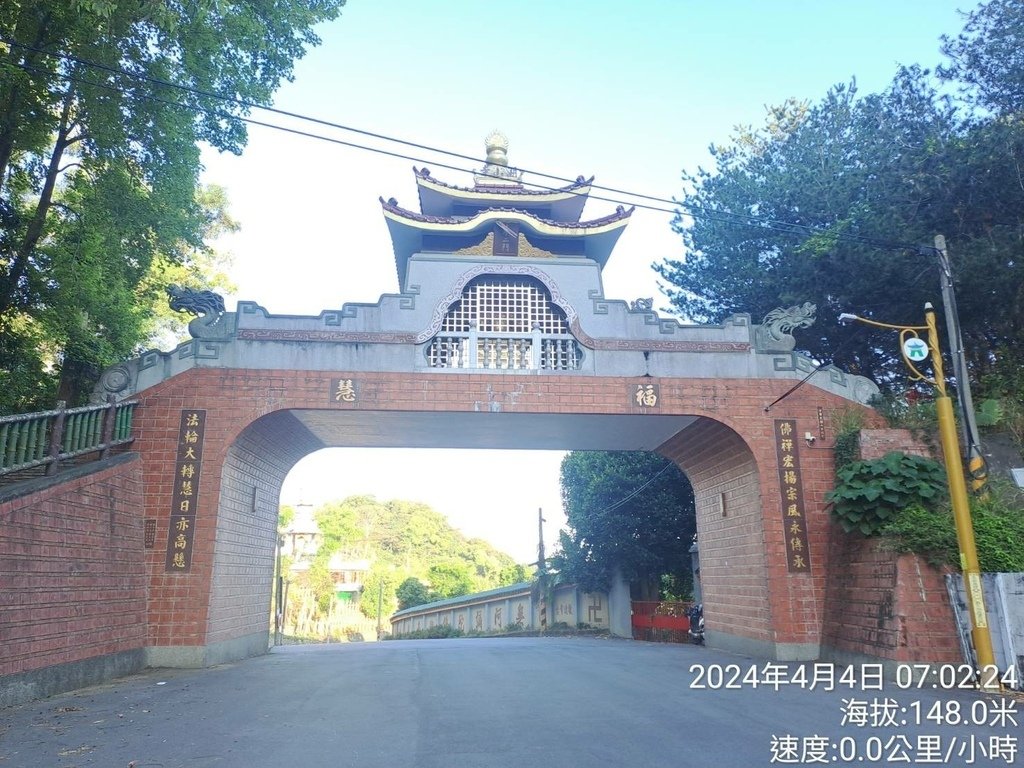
(415, 556)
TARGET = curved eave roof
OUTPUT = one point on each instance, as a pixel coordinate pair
(408, 227)
(566, 203)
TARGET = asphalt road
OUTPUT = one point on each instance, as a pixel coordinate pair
(498, 703)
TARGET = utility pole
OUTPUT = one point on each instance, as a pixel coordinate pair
(981, 636)
(279, 603)
(380, 603)
(975, 459)
(542, 572)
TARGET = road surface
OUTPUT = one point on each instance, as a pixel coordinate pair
(502, 703)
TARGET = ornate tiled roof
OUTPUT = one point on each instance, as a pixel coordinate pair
(506, 189)
(391, 206)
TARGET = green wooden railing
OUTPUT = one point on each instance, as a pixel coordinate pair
(45, 439)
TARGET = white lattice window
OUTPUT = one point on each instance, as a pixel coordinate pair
(504, 323)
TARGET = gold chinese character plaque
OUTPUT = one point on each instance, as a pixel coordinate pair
(794, 520)
(185, 494)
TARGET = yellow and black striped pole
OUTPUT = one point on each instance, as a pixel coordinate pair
(909, 339)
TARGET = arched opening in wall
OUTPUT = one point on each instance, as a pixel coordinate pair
(479, 466)
(733, 561)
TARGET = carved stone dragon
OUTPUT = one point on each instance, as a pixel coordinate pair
(775, 332)
(209, 307)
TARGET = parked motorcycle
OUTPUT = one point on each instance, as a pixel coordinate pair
(696, 631)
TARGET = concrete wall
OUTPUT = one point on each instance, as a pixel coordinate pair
(517, 605)
(1004, 606)
(74, 580)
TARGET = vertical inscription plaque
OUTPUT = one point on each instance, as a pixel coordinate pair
(794, 521)
(185, 496)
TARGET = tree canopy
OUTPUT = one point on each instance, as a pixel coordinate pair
(103, 105)
(987, 57)
(631, 511)
(831, 202)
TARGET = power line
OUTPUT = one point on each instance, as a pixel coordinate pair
(622, 501)
(725, 217)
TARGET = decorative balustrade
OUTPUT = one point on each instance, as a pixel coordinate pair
(44, 439)
(504, 351)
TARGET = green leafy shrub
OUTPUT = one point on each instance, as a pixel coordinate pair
(998, 531)
(869, 493)
(436, 632)
(846, 424)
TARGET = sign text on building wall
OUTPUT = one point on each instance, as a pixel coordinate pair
(794, 521)
(185, 495)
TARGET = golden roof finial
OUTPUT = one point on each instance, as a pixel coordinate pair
(497, 148)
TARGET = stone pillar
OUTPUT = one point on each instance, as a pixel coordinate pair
(619, 607)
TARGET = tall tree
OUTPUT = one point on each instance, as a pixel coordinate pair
(987, 57)
(827, 202)
(412, 592)
(631, 511)
(451, 578)
(102, 106)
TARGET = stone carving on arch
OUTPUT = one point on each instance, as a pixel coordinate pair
(442, 307)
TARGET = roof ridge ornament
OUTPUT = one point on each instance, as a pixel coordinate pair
(496, 170)
(775, 332)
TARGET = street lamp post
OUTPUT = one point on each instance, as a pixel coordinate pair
(912, 353)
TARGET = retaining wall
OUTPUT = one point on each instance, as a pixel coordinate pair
(74, 580)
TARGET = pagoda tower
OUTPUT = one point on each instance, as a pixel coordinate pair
(524, 249)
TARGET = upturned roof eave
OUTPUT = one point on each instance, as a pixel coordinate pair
(566, 203)
(407, 229)
(432, 223)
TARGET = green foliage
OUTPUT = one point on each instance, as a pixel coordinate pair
(846, 424)
(998, 520)
(99, 164)
(1004, 411)
(412, 592)
(871, 492)
(627, 510)
(381, 583)
(321, 583)
(338, 523)
(450, 579)
(285, 515)
(414, 554)
(513, 574)
(900, 165)
(903, 412)
(436, 632)
(987, 57)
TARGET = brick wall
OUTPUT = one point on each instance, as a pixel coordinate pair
(886, 605)
(246, 537)
(875, 443)
(71, 565)
(729, 450)
(730, 533)
(880, 603)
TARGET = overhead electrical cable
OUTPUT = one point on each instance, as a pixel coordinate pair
(622, 501)
(725, 217)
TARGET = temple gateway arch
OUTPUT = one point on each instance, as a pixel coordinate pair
(501, 337)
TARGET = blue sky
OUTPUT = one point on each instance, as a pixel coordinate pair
(630, 92)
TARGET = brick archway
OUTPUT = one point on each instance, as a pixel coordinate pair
(259, 423)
